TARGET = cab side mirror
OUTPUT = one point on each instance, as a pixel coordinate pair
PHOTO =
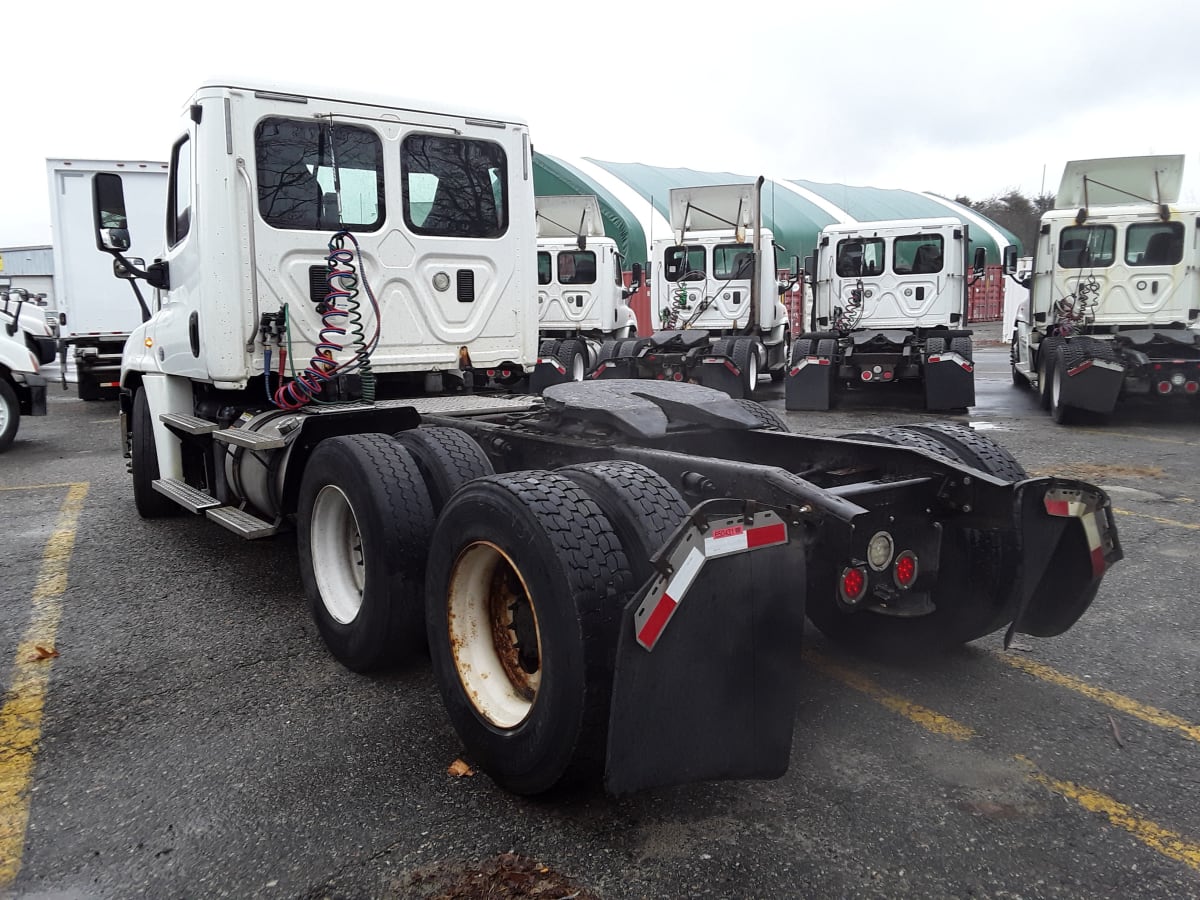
(108, 212)
(1010, 260)
(810, 266)
(980, 260)
(635, 277)
(122, 268)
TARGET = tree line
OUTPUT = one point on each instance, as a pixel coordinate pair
(1013, 210)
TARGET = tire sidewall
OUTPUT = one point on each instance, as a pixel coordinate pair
(523, 757)
(12, 406)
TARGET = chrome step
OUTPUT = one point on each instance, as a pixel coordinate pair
(190, 424)
(242, 523)
(251, 440)
(184, 494)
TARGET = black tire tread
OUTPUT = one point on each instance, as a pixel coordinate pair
(447, 458)
(8, 397)
(974, 449)
(769, 420)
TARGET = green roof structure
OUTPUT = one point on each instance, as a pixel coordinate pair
(634, 203)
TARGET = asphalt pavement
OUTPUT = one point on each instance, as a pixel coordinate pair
(181, 732)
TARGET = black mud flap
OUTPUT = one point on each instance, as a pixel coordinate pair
(949, 382)
(720, 374)
(708, 659)
(809, 384)
(35, 403)
(1068, 540)
(620, 367)
(1093, 385)
(549, 371)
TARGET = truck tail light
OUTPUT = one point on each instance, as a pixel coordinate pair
(1191, 387)
(853, 584)
(866, 375)
(905, 570)
(1164, 387)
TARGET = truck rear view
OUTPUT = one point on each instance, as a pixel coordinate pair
(1114, 302)
(888, 308)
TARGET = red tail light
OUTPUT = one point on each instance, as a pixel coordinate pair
(866, 375)
(905, 569)
(854, 584)
(1191, 387)
(1164, 387)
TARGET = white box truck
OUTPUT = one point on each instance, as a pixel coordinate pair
(96, 311)
(1114, 297)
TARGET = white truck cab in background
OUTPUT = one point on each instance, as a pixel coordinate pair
(97, 312)
(582, 297)
(716, 293)
(22, 388)
(889, 305)
(1113, 309)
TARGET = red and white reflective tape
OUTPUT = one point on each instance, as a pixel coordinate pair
(721, 537)
(1098, 363)
(551, 361)
(961, 361)
(810, 361)
(1075, 504)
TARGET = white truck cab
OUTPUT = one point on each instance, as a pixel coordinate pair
(716, 294)
(889, 305)
(22, 388)
(582, 297)
(1114, 295)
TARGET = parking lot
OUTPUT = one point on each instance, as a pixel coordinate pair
(173, 727)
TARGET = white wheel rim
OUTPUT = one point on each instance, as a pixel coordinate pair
(495, 644)
(753, 368)
(1055, 387)
(337, 554)
(3, 415)
(577, 367)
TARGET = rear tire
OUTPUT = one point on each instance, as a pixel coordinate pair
(364, 521)
(572, 354)
(143, 449)
(801, 349)
(642, 506)
(963, 347)
(1059, 411)
(768, 419)
(746, 359)
(974, 449)
(447, 458)
(527, 581)
(1047, 355)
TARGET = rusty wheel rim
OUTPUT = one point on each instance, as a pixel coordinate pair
(495, 642)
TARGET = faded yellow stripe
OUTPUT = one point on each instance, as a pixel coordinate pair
(1161, 521)
(1161, 840)
(21, 715)
(914, 712)
(1136, 437)
(38, 487)
(1119, 702)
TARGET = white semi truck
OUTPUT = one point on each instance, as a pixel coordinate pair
(25, 318)
(96, 313)
(1114, 297)
(22, 387)
(716, 292)
(889, 307)
(612, 578)
(582, 297)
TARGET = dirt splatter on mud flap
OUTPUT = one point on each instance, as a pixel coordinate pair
(1068, 540)
(708, 658)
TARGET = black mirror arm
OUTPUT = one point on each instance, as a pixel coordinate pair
(140, 273)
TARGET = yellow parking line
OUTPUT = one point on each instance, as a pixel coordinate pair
(1161, 521)
(1162, 840)
(21, 715)
(1136, 437)
(923, 716)
(1116, 701)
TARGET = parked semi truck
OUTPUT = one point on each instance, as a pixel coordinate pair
(889, 307)
(24, 318)
(96, 313)
(1114, 297)
(611, 579)
(22, 387)
(715, 289)
(582, 297)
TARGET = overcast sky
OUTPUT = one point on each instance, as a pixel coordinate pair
(951, 97)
